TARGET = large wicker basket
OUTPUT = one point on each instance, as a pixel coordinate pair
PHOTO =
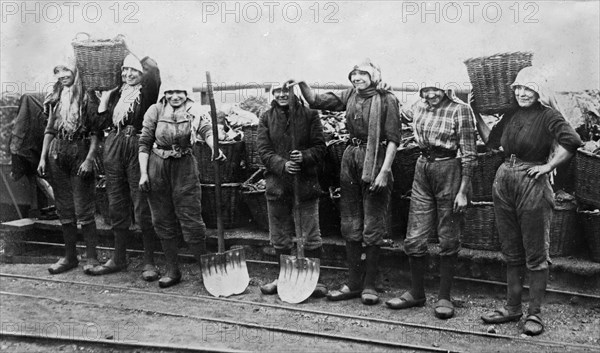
(251, 138)
(480, 227)
(565, 232)
(256, 200)
(99, 61)
(587, 177)
(591, 232)
(231, 171)
(491, 77)
(403, 168)
(488, 163)
(230, 198)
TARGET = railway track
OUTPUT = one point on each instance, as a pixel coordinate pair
(554, 291)
(331, 328)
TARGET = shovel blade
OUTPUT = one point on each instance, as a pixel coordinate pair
(298, 278)
(225, 274)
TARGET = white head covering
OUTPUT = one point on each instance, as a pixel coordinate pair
(133, 62)
(534, 79)
(367, 66)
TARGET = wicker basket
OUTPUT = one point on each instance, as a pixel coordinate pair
(480, 227)
(591, 231)
(231, 171)
(230, 198)
(251, 138)
(488, 163)
(587, 180)
(256, 201)
(99, 61)
(403, 168)
(491, 77)
(565, 234)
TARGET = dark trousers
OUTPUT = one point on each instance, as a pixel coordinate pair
(74, 195)
(175, 197)
(431, 207)
(363, 213)
(523, 208)
(122, 182)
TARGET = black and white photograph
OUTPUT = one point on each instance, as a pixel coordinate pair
(300, 176)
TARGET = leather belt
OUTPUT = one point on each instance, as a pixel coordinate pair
(513, 160)
(438, 153)
(358, 142)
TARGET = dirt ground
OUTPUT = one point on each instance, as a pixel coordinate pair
(572, 320)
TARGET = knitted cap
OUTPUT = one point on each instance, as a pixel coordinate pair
(133, 62)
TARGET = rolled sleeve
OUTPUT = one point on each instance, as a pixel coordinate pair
(149, 129)
(392, 119)
(466, 140)
(564, 133)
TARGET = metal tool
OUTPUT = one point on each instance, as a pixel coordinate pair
(298, 275)
(224, 273)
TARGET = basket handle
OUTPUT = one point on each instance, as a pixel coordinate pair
(79, 33)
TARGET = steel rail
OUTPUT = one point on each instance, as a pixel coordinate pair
(119, 344)
(310, 311)
(335, 268)
(335, 337)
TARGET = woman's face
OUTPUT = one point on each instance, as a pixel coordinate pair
(66, 77)
(525, 96)
(281, 97)
(360, 79)
(432, 95)
(131, 76)
(175, 98)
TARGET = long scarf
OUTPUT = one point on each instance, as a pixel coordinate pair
(372, 164)
(126, 104)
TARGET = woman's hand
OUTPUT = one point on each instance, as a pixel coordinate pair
(460, 202)
(539, 170)
(144, 182)
(383, 87)
(85, 169)
(381, 182)
(296, 156)
(289, 83)
(221, 157)
(41, 169)
(292, 167)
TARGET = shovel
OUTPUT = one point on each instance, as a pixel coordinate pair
(298, 275)
(224, 273)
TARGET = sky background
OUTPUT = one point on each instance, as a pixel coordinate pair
(412, 41)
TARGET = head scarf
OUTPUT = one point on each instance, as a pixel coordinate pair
(534, 79)
(69, 100)
(372, 69)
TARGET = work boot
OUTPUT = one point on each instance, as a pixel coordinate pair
(198, 249)
(320, 290)
(90, 236)
(271, 288)
(118, 261)
(70, 260)
(444, 309)
(369, 294)
(149, 272)
(354, 287)
(515, 276)
(416, 295)
(537, 290)
(172, 275)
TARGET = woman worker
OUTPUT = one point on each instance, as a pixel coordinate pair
(124, 110)
(522, 194)
(373, 121)
(68, 152)
(169, 173)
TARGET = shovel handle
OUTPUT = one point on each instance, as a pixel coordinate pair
(297, 213)
(215, 136)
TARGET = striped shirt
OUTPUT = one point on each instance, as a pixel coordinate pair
(449, 125)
